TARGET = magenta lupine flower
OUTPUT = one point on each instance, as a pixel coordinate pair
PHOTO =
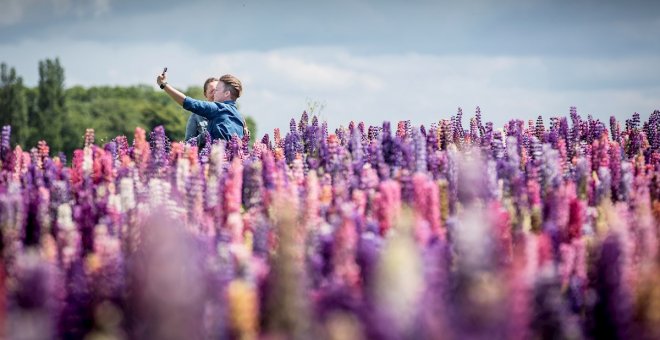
(122, 146)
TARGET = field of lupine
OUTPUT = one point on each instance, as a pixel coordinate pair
(381, 232)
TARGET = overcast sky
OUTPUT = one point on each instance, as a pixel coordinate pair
(364, 60)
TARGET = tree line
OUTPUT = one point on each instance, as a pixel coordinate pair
(59, 115)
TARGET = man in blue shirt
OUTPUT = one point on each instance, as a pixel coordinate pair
(224, 118)
(197, 125)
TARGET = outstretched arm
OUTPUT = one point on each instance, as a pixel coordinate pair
(175, 94)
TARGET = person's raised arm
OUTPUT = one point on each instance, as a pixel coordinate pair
(177, 95)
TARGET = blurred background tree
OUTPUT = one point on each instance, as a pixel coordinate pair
(13, 104)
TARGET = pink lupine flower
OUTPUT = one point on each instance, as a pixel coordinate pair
(388, 203)
(141, 151)
(232, 187)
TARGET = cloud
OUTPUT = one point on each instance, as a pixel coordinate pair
(17, 11)
(13, 11)
(424, 88)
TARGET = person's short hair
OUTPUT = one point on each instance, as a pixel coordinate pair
(207, 82)
(233, 85)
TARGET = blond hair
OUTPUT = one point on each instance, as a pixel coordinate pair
(233, 85)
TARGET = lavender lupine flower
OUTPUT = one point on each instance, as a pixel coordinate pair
(550, 169)
(420, 151)
(497, 146)
(285, 311)
(166, 298)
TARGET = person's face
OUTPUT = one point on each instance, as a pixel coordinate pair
(210, 90)
(221, 94)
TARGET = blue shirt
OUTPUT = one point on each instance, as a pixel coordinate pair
(224, 118)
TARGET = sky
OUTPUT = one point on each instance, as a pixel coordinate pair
(362, 60)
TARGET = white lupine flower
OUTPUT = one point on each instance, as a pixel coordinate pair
(217, 157)
(182, 172)
(87, 161)
(64, 220)
(69, 237)
(114, 202)
(127, 194)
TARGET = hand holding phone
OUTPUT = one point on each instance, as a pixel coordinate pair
(161, 79)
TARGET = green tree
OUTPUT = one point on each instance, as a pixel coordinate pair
(252, 126)
(13, 104)
(51, 113)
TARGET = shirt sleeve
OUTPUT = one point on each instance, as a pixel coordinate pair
(205, 109)
(191, 127)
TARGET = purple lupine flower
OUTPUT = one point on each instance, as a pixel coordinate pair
(292, 146)
(159, 149)
(302, 126)
(5, 146)
(552, 316)
(252, 185)
(111, 147)
(613, 311)
(35, 302)
(205, 152)
(265, 140)
(458, 127)
(540, 129)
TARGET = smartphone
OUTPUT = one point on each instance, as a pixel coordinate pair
(164, 70)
